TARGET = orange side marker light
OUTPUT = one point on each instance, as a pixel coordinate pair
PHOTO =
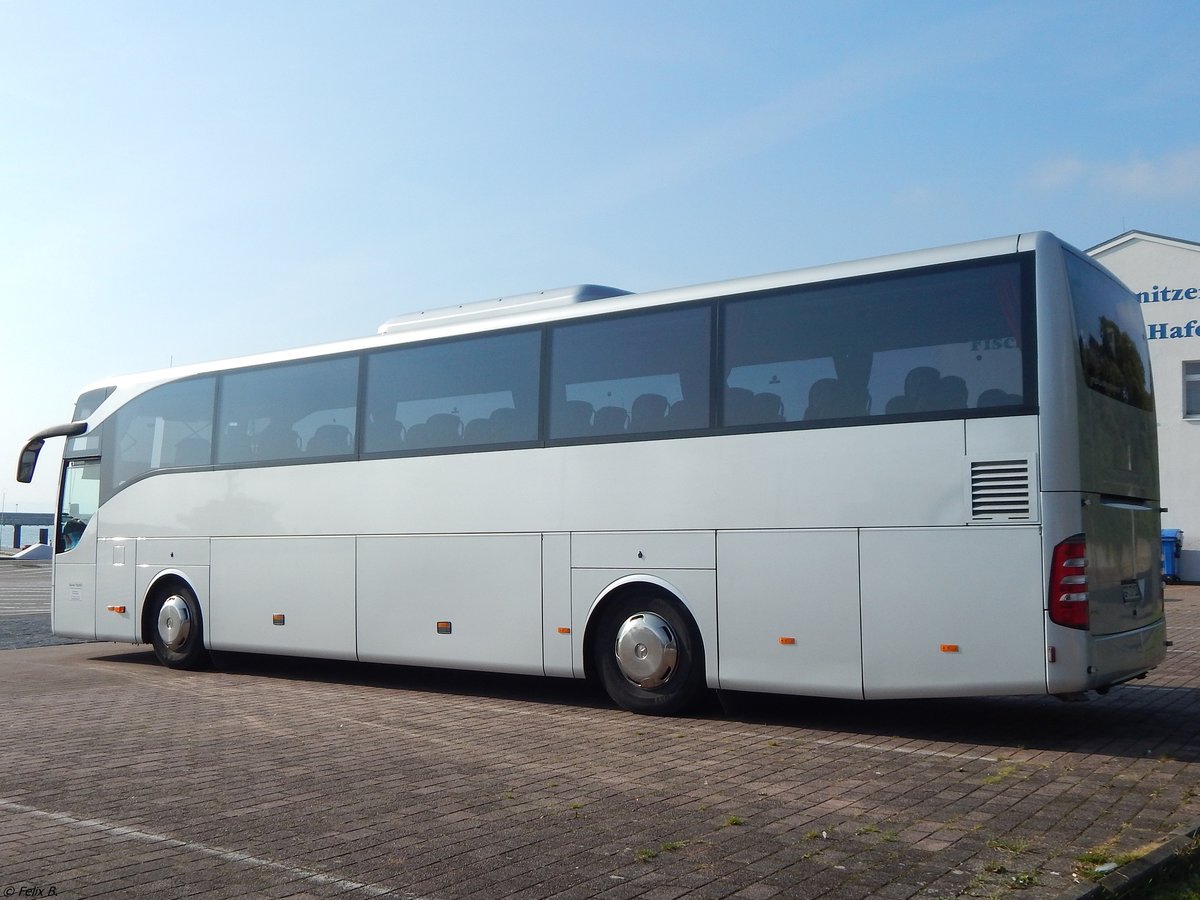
(787, 641)
(116, 609)
(949, 648)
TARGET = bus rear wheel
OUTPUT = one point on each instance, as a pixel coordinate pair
(176, 629)
(648, 655)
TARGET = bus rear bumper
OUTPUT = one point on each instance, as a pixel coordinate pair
(1127, 654)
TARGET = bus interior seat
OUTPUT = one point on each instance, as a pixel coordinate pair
(950, 392)
(649, 413)
(610, 420)
(997, 397)
(444, 429)
(278, 441)
(822, 398)
(417, 437)
(739, 404)
(573, 419)
(385, 434)
(830, 398)
(919, 384)
(478, 431)
(767, 407)
(687, 413)
(329, 440)
(507, 425)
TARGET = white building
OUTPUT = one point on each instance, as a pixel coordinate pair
(1165, 274)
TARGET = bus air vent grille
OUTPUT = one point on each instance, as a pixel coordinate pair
(1000, 489)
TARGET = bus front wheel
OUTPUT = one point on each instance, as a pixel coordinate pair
(648, 655)
(176, 629)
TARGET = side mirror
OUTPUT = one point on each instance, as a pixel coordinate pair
(28, 460)
(29, 456)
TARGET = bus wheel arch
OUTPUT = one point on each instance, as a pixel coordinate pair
(642, 644)
(172, 622)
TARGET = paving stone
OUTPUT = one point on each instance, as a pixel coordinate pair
(291, 778)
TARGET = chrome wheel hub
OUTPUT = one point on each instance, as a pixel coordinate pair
(646, 650)
(174, 622)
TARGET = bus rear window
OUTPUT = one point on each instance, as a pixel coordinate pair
(1112, 339)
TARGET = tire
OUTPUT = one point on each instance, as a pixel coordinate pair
(648, 655)
(177, 629)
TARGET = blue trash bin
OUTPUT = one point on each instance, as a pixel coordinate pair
(1172, 546)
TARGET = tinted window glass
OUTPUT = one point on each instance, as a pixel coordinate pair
(89, 402)
(635, 374)
(289, 412)
(1112, 338)
(460, 393)
(933, 341)
(167, 427)
(87, 444)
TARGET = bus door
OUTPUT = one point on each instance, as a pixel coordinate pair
(74, 593)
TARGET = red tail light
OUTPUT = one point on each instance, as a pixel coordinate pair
(1069, 583)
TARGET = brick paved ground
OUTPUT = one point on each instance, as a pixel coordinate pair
(25, 606)
(284, 778)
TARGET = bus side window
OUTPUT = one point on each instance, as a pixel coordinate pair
(474, 391)
(275, 413)
(640, 374)
(167, 426)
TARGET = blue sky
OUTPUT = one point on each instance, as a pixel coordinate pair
(188, 181)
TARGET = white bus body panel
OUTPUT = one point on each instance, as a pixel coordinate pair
(633, 550)
(307, 580)
(74, 609)
(116, 583)
(947, 612)
(486, 586)
(557, 645)
(801, 585)
(874, 476)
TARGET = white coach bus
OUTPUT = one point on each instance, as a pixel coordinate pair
(925, 475)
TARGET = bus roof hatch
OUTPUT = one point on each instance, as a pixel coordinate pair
(499, 306)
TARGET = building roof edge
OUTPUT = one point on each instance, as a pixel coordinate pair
(1125, 237)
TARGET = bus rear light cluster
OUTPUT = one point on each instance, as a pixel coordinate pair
(1069, 583)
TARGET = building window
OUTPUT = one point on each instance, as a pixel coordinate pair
(1191, 390)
